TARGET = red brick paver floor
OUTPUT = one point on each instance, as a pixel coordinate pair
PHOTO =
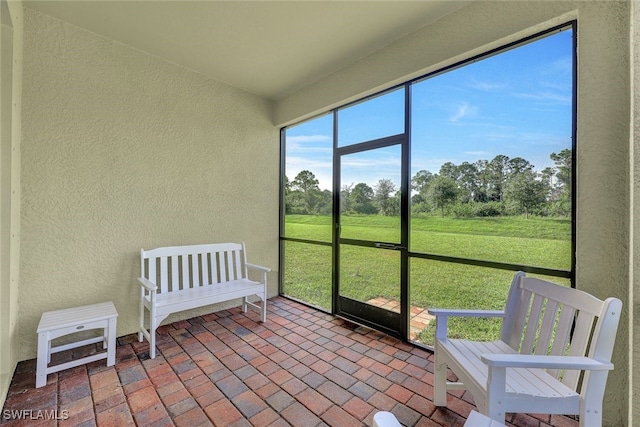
(300, 368)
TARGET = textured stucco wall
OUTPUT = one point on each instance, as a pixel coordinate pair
(603, 172)
(122, 151)
(603, 184)
(11, 16)
(634, 335)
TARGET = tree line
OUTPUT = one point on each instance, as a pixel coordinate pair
(500, 187)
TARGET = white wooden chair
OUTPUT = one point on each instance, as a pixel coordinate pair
(385, 419)
(553, 355)
(475, 419)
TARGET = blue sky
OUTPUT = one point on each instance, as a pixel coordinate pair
(516, 103)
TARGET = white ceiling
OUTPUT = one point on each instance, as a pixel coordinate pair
(268, 48)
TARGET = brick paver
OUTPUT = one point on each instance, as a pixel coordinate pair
(300, 368)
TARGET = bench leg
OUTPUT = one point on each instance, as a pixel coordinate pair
(263, 310)
(152, 337)
(440, 382)
(141, 326)
(44, 354)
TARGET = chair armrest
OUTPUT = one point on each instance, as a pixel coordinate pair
(464, 313)
(258, 267)
(443, 314)
(544, 362)
(147, 284)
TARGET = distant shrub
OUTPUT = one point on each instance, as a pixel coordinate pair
(489, 209)
(463, 210)
(471, 210)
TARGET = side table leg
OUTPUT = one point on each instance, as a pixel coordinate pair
(43, 357)
(111, 346)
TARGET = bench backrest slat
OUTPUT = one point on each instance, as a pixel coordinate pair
(175, 282)
(204, 263)
(195, 270)
(238, 265)
(151, 268)
(547, 318)
(184, 278)
(181, 267)
(214, 269)
(164, 274)
(223, 266)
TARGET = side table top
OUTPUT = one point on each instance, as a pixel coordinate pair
(56, 319)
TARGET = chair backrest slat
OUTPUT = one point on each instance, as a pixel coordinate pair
(517, 310)
(562, 335)
(532, 329)
(547, 327)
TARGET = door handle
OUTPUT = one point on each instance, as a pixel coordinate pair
(389, 246)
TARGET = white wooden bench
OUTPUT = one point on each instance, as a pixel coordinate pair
(179, 278)
(553, 355)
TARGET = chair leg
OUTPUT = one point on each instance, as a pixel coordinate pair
(591, 420)
(111, 345)
(591, 404)
(440, 382)
(496, 386)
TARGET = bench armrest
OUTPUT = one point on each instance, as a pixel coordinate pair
(147, 284)
(258, 267)
(544, 362)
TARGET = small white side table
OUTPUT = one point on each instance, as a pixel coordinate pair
(58, 323)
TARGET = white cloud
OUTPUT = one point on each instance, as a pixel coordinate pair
(562, 65)
(479, 154)
(463, 110)
(546, 97)
(305, 163)
(301, 139)
(370, 163)
(486, 86)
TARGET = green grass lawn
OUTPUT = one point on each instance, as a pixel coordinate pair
(369, 273)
